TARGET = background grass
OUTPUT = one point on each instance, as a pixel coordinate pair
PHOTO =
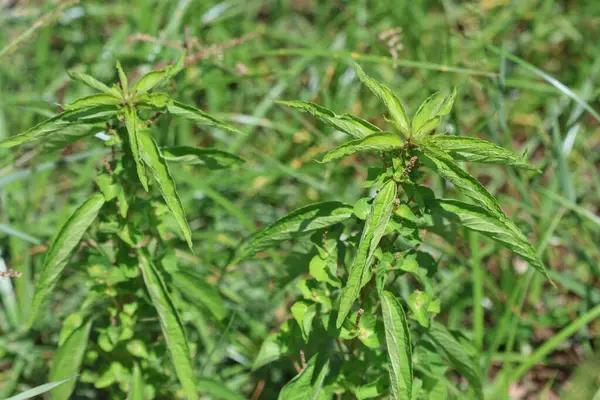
(527, 73)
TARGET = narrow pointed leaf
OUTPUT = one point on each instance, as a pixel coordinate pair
(479, 219)
(198, 291)
(61, 249)
(66, 136)
(171, 325)
(456, 354)
(307, 385)
(133, 132)
(198, 116)
(67, 360)
(209, 158)
(349, 124)
(477, 150)
(92, 82)
(155, 161)
(136, 385)
(373, 231)
(384, 141)
(101, 99)
(36, 391)
(394, 106)
(430, 113)
(218, 390)
(299, 222)
(123, 78)
(397, 340)
(155, 78)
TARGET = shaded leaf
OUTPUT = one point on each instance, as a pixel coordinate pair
(399, 350)
(384, 141)
(210, 158)
(133, 132)
(419, 305)
(308, 383)
(394, 106)
(155, 78)
(200, 117)
(66, 361)
(155, 161)
(218, 390)
(136, 385)
(62, 247)
(65, 136)
(373, 231)
(198, 291)
(299, 222)
(349, 124)
(304, 313)
(170, 323)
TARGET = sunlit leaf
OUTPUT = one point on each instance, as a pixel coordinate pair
(307, 385)
(155, 78)
(181, 110)
(383, 141)
(133, 132)
(206, 157)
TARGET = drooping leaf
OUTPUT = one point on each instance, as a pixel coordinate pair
(304, 313)
(349, 124)
(36, 391)
(101, 99)
(65, 136)
(399, 350)
(155, 78)
(133, 132)
(92, 82)
(218, 390)
(394, 106)
(278, 344)
(307, 385)
(170, 323)
(481, 220)
(383, 141)
(456, 354)
(66, 362)
(210, 158)
(300, 222)
(198, 291)
(477, 150)
(429, 114)
(62, 247)
(373, 231)
(122, 78)
(156, 163)
(200, 117)
(136, 385)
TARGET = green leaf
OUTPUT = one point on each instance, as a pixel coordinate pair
(477, 150)
(218, 390)
(373, 231)
(67, 360)
(308, 383)
(198, 116)
(304, 313)
(419, 305)
(481, 220)
(36, 391)
(136, 385)
(154, 101)
(207, 157)
(349, 124)
(155, 78)
(198, 291)
(62, 247)
(397, 339)
(92, 82)
(429, 114)
(155, 161)
(66, 136)
(94, 100)
(170, 323)
(384, 141)
(133, 132)
(299, 222)
(123, 79)
(394, 106)
(457, 356)
(323, 266)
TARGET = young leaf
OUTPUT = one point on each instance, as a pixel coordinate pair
(481, 220)
(477, 150)
(155, 161)
(308, 383)
(136, 385)
(92, 82)
(123, 79)
(200, 117)
(300, 222)
(395, 108)
(383, 141)
(36, 391)
(429, 114)
(373, 231)
(133, 132)
(170, 323)
(397, 340)
(457, 356)
(349, 124)
(155, 78)
(304, 313)
(67, 360)
(210, 158)
(198, 291)
(94, 100)
(61, 249)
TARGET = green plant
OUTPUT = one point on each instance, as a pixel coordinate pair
(129, 324)
(379, 315)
